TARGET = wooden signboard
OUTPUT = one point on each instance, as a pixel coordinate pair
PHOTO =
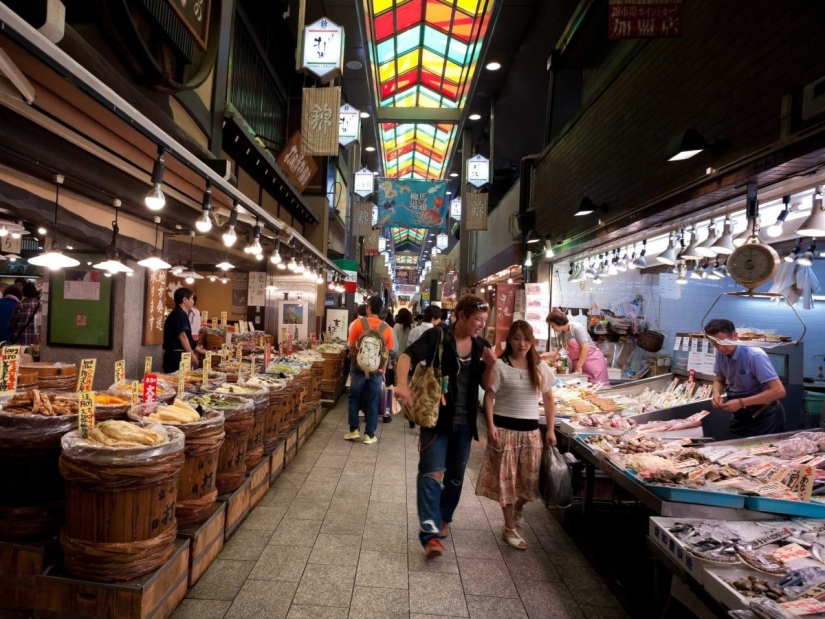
(154, 308)
(477, 211)
(298, 168)
(319, 121)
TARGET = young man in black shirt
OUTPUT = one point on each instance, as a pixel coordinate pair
(177, 332)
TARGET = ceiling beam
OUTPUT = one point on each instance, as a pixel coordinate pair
(419, 115)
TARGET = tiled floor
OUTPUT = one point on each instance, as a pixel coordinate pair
(337, 537)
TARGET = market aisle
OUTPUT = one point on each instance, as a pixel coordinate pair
(336, 537)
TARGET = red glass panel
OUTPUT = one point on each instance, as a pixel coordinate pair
(387, 89)
(449, 89)
(408, 15)
(431, 80)
(398, 152)
(384, 27)
(463, 26)
(410, 78)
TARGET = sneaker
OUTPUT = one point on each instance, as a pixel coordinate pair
(433, 548)
(445, 530)
(387, 418)
(369, 440)
(351, 436)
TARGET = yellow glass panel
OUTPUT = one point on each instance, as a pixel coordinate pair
(407, 61)
(471, 6)
(452, 72)
(408, 101)
(425, 101)
(432, 62)
(386, 71)
(379, 6)
(439, 15)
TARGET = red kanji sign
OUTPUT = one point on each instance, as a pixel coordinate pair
(637, 19)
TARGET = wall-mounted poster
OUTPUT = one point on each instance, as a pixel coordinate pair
(293, 317)
(81, 302)
(154, 308)
(412, 203)
(336, 324)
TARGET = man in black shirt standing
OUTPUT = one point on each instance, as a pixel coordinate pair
(177, 332)
(467, 362)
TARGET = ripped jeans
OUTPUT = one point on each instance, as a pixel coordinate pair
(437, 501)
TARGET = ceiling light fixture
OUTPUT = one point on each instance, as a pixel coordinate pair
(668, 256)
(586, 207)
(292, 266)
(474, 117)
(791, 257)
(155, 200)
(370, 149)
(690, 253)
(704, 248)
(190, 273)
(814, 225)
(275, 258)
(682, 279)
(153, 262)
(724, 244)
(54, 259)
(113, 264)
(41, 231)
(640, 262)
(493, 66)
(225, 266)
(685, 145)
(807, 259)
(204, 222)
(365, 114)
(229, 237)
(775, 230)
(528, 262)
(548, 250)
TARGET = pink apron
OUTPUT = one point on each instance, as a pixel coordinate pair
(595, 366)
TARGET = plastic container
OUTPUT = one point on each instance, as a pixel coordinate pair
(814, 509)
(690, 495)
(813, 402)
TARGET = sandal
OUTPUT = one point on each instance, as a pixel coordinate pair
(516, 542)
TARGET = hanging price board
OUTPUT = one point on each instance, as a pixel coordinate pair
(147, 366)
(223, 319)
(86, 376)
(135, 395)
(150, 388)
(86, 410)
(120, 371)
(9, 369)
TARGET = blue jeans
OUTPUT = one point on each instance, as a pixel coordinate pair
(360, 383)
(448, 455)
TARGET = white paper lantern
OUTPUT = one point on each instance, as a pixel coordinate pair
(441, 241)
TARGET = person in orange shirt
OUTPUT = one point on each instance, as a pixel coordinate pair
(360, 381)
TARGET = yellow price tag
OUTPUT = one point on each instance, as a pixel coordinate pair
(185, 363)
(204, 316)
(135, 395)
(241, 326)
(223, 319)
(120, 371)
(147, 366)
(86, 407)
(207, 367)
(260, 342)
(240, 352)
(9, 369)
(214, 323)
(86, 377)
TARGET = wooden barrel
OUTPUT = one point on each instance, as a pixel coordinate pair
(260, 405)
(237, 427)
(27, 379)
(55, 376)
(120, 507)
(107, 407)
(31, 490)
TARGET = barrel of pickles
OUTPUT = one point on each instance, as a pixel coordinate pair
(275, 416)
(121, 486)
(204, 436)
(32, 497)
(238, 421)
(268, 439)
(289, 408)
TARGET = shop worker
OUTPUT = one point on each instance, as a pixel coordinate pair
(585, 357)
(177, 332)
(750, 382)
(370, 342)
(467, 362)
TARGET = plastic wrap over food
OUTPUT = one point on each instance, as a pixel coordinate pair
(193, 380)
(78, 448)
(22, 431)
(231, 405)
(111, 405)
(166, 391)
(259, 395)
(816, 437)
(207, 418)
(270, 381)
(796, 447)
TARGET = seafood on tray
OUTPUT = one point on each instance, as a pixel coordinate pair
(673, 425)
(608, 420)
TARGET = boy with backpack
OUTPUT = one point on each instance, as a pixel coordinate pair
(370, 342)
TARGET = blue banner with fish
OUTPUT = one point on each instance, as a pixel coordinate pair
(412, 203)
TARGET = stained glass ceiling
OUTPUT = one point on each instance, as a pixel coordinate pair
(406, 259)
(423, 54)
(408, 235)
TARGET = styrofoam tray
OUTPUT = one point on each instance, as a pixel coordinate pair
(723, 593)
(658, 530)
(690, 495)
(814, 509)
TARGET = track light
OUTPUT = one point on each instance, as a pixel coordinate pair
(204, 223)
(807, 259)
(814, 225)
(791, 257)
(668, 256)
(229, 237)
(529, 261)
(41, 231)
(276, 255)
(640, 262)
(682, 279)
(255, 248)
(292, 266)
(690, 253)
(155, 200)
(704, 248)
(775, 230)
(724, 244)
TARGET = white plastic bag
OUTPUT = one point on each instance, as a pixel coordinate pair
(555, 485)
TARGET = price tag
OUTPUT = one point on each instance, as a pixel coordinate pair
(816, 461)
(289, 344)
(223, 319)
(86, 377)
(241, 326)
(239, 352)
(806, 483)
(135, 395)
(761, 450)
(214, 323)
(770, 538)
(790, 552)
(686, 464)
(150, 388)
(147, 366)
(267, 356)
(697, 473)
(251, 326)
(261, 342)
(677, 343)
(282, 349)
(9, 369)
(120, 371)
(313, 340)
(223, 353)
(204, 316)
(771, 488)
(86, 409)
(804, 606)
(185, 364)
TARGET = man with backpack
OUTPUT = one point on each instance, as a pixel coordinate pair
(370, 341)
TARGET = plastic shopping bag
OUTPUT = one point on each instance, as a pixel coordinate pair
(555, 484)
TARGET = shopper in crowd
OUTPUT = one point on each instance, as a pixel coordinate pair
(11, 299)
(361, 383)
(467, 362)
(3, 287)
(510, 472)
(585, 357)
(432, 318)
(21, 322)
(194, 316)
(177, 332)
(747, 377)
(20, 282)
(402, 330)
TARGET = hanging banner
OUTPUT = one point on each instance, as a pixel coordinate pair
(337, 324)
(505, 302)
(349, 125)
(319, 121)
(477, 211)
(412, 203)
(256, 292)
(371, 243)
(154, 308)
(364, 182)
(363, 218)
(298, 168)
(323, 49)
(478, 171)
(637, 19)
(537, 302)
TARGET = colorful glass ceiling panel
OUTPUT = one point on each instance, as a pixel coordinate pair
(406, 259)
(417, 150)
(408, 235)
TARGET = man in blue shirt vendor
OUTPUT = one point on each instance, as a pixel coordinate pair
(750, 382)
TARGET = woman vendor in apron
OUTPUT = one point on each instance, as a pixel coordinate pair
(585, 356)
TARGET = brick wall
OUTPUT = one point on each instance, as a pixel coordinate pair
(725, 77)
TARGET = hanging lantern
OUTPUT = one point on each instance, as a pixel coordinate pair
(455, 208)
(435, 251)
(441, 241)
(382, 244)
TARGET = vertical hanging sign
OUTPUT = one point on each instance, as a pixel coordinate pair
(349, 125)
(363, 218)
(323, 49)
(364, 182)
(478, 171)
(455, 208)
(477, 211)
(319, 121)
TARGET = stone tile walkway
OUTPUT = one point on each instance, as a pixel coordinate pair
(337, 537)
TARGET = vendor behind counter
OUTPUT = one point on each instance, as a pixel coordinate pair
(586, 358)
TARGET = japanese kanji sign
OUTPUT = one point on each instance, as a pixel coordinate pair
(256, 293)
(349, 125)
(364, 182)
(323, 49)
(638, 19)
(371, 243)
(337, 324)
(478, 171)
(363, 218)
(298, 168)
(86, 375)
(319, 121)
(412, 203)
(9, 369)
(154, 308)
(477, 211)
(455, 208)
(86, 412)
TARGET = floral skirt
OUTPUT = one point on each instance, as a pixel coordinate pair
(511, 467)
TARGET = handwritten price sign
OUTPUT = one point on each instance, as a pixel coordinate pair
(223, 319)
(185, 361)
(86, 378)
(150, 388)
(9, 369)
(135, 395)
(86, 406)
(147, 366)
(120, 371)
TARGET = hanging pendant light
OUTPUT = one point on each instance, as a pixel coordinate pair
(113, 263)
(189, 274)
(640, 262)
(54, 259)
(814, 225)
(621, 265)
(590, 272)
(720, 270)
(690, 253)
(724, 244)
(154, 262)
(225, 266)
(230, 236)
(631, 263)
(791, 257)
(292, 266)
(695, 272)
(682, 279)
(255, 248)
(612, 270)
(204, 222)
(155, 200)
(275, 258)
(668, 256)
(528, 262)
(704, 248)
(807, 259)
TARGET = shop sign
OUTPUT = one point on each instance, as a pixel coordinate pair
(349, 125)
(12, 245)
(425, 295)
(86, 412)
(150, 388)
(336, 324)
(537, 307)
(154, 308)
(636, 19)
(86, 375)
(323, 49)
(298, 168)
(478, 171)
(350, 281)
(813, 104)
(256, 290)
(319, 121)
(477, 211)
(407, 289)
(412, 203)
(363, 218)
(455, 208)
(371, 243)
(365, 184)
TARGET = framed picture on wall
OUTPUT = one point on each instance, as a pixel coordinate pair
(294, 316)
(81, 302)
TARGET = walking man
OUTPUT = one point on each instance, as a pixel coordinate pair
(432, 316)
(467, 362)
(365, 342)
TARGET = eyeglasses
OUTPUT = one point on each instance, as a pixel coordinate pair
(482, 305)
